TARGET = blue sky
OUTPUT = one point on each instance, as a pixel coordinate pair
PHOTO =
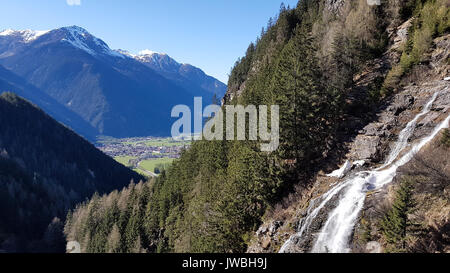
(210, 34)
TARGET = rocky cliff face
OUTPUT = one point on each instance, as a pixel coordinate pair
(366, 143)
(334, 5)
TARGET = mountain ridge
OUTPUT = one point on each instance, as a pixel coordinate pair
(10, 81)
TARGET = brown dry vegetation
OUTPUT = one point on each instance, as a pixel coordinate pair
(431, 218)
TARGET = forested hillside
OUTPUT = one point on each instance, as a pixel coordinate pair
(215, 196)
(45, 169)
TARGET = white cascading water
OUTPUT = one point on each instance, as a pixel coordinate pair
(336, 231)
(406, 133)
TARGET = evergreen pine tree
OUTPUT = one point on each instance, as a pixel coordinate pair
(304, 102)
(113, 244)
(395, 223)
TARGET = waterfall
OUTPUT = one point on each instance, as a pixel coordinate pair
(335, 233)
(406, 133)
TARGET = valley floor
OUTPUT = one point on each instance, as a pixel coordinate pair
(148, 156)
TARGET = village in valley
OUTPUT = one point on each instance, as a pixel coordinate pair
(147, 155)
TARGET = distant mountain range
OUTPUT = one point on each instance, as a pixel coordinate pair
(186, 75)
(75, 77)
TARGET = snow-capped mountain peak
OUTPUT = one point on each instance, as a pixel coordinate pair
(77, 29)
(76, 36)
(82, 39)
(26, 35)
(149, 52)
(125, 53)
(160, 61)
